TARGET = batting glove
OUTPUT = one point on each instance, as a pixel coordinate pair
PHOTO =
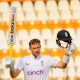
(10, 63)
(70, 49)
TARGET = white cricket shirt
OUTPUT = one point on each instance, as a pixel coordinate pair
(36, 68)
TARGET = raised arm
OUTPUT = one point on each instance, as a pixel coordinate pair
(69, 50)
(14, 72)
(63, 63)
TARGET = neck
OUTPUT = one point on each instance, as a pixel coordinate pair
(34, 56)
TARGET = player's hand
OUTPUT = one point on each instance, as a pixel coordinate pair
(10, 63)
(70, 49)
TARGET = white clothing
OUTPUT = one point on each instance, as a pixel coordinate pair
(36, 68)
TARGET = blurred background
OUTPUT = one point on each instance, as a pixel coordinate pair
(40, 19)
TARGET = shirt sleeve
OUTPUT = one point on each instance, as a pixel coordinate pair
(54, 61)
(20, 64)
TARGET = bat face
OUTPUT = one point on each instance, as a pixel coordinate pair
(12, 26)
(71, 49)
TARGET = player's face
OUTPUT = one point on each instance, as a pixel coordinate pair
(35, 49)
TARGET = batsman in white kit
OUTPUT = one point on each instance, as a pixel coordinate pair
(36, 66)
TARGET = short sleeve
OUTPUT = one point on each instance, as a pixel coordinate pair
(54, 61)
(20, 64)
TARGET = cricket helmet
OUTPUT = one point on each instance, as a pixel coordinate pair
(63, 35)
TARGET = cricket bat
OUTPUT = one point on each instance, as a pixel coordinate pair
(11, 34)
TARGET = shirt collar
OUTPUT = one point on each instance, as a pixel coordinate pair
(38, 57)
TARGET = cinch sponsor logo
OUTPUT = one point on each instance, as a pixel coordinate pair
(39, 72)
